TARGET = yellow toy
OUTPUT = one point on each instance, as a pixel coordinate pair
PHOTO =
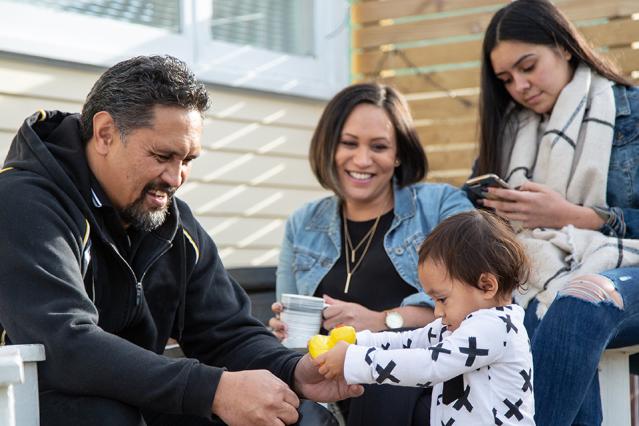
(319, 344)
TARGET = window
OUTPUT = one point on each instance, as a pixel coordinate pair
(287, 46)
(280, 25)
(155, 13)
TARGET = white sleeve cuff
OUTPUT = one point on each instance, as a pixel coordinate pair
(356, 369)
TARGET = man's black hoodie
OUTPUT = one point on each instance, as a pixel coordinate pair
(105, 314)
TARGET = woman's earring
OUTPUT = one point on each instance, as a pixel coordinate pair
(397, 163)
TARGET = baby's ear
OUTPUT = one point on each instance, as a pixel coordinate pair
(488, 284)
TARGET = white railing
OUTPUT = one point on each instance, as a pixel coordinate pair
(19, 403)
(11, 374)
(614, 383)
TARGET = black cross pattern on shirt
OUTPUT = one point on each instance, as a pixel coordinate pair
(472, 351)
(431, 335)
(385, 373)
(527, 383)
(497, 421)
(509, 324)
(513, 409)
(408, 343)
(437, 350)
(442, 331)
(439, 398)
(450, 422)
(367, 358)
(463, 401)
(385, 346)
(502, 308)
(424, 385)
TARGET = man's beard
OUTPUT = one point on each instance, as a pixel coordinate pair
(142, 218)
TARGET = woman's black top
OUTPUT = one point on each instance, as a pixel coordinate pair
(375, 284)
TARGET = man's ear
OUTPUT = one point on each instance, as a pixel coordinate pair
(104, 132)
(488, 284)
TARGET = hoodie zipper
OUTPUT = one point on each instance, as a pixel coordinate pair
(138, 286)
(131, 314)
(138, 293)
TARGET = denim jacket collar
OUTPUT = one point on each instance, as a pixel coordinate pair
(326, 217)
(622, 103)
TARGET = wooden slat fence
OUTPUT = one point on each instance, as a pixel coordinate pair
(430, 50)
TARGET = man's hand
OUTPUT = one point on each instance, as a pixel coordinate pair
(353, 314)
(331, 363)
(253, 398)
(312, 385)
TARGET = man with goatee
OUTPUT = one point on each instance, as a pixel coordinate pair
(102, 264)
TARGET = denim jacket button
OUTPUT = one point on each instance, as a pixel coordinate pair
(399, 250)
(325, 263)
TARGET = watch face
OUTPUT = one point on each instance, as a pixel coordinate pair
(394, 320)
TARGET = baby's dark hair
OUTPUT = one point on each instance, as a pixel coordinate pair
(475, 242)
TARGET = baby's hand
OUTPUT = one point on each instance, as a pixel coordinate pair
(332, 362)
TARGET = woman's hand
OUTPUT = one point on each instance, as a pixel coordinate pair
(536, 205)
(353, 314)
(279, 328)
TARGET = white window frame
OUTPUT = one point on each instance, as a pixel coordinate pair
(41, 32)
(72, 37)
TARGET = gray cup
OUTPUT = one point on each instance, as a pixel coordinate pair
(303, 316)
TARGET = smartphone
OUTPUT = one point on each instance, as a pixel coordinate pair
(478, 185)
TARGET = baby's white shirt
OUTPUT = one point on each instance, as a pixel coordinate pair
(490, 349)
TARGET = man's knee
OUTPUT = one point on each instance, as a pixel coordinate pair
(58, 409)
(593, 288)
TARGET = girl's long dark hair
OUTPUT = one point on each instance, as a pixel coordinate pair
(528, 21)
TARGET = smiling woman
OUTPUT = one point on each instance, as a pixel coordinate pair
(365, 159)
(358, 248)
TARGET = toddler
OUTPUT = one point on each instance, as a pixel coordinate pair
(476, 354)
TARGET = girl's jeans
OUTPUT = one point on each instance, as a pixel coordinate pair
(567, 345)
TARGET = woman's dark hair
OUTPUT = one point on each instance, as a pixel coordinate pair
(528, 21)
(131, 89)
(413, 164)
(471, 243)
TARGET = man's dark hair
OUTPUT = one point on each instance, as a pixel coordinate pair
(410, 152)
(471, 243)
(131, 89)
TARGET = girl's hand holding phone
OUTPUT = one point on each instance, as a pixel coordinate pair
(478, 186)
(538, 206)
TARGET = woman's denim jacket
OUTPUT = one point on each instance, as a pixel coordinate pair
(313, 241)
(623, 175)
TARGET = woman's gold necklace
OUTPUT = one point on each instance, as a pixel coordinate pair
(348, 247)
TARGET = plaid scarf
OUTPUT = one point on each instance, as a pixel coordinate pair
(570, 153)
